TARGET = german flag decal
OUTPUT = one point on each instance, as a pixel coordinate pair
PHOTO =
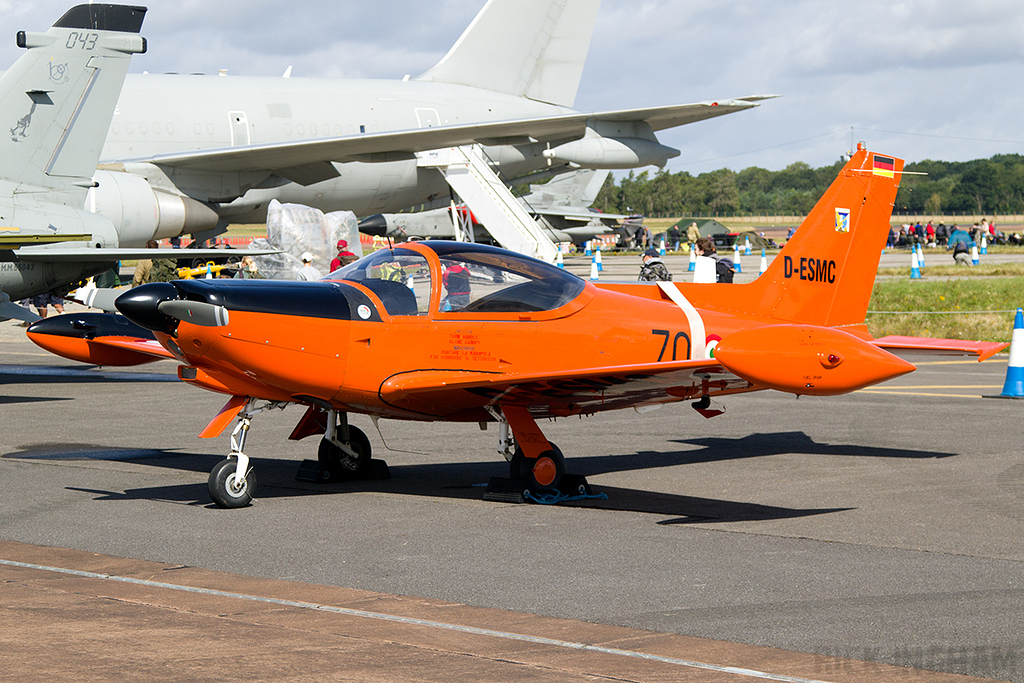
(884, 166)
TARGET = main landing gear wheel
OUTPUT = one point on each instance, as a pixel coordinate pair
(226, 489)
(335, 458)
(544, 473)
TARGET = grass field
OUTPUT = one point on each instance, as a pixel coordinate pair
(968, 308)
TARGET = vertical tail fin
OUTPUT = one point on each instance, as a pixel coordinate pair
(825, 273)
(527, 48)
(57, 100)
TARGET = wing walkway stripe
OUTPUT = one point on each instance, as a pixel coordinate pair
(418, 622)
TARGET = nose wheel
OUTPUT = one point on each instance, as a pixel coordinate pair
(227, 489)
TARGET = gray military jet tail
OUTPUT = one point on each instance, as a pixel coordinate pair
(56, 105)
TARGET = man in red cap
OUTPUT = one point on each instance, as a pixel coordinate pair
(344, 256)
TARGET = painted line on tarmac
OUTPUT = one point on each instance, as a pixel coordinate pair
(419, 622)
(894, 392)
(941, 386)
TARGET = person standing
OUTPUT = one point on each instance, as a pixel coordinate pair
(344, 256)
(308, 272)
(143, 267)
(692, 234)
(653, 267)
(673, 237)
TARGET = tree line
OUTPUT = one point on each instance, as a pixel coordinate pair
(983, 186)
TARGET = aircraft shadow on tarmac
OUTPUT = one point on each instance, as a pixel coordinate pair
(57, 374)
(466, 480)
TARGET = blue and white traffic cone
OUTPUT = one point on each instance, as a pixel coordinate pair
(597, 259)
(920, 255)
(915, 266)
(736, 257)
(746, 249)
(1014, 386)
(559, 261)
(661, 249)
(593, 270)
(764, 263)
(984, 244)
(974, 255)
(693, 260)
(586, 248)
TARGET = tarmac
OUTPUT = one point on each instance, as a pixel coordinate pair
(869, 537)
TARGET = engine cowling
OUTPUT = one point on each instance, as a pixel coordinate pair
(140, 213)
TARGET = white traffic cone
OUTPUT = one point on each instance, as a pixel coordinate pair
(597, 258)
(736, 257)
(693, 260)
(920, 255)
(915, 267)
(984, 244)
(746, 248)
(1014, 386)
(558, 260)
(586, 248)
(764, 263)
(661, 249)
(974, 255)
(593, 270)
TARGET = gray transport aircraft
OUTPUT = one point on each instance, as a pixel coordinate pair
(56, 103)
(561, 206)
(224, 146)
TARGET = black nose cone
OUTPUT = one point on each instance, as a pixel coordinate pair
(374, 225)
(140, 306)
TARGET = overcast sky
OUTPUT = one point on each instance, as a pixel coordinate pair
(935, 79)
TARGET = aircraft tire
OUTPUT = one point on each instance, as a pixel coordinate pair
(543, 474)
(222, 489)
(331, 456)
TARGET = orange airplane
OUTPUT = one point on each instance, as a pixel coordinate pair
(469, 333)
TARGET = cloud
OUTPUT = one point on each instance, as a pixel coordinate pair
(943, 75)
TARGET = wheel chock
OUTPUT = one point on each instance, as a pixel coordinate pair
(505, 490)
(321, 473)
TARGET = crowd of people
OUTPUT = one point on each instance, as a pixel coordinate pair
(941, 235)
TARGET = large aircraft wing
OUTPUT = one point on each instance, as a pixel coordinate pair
(76, 252)
(396, 145)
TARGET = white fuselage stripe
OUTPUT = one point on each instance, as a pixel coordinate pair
(698, 341)
(417, 622)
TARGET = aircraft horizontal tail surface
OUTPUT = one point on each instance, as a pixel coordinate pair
(528, 48)
(57, 100)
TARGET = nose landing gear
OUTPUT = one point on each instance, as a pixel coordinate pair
(232, 483)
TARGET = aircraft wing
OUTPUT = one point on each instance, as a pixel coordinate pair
(76, 252)
(396, 145)
(564, 393)
(925, 348)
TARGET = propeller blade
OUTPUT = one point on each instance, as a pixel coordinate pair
(195, 312)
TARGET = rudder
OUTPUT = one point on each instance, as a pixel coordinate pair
(57, 100)
(825, 273)
(528, 48)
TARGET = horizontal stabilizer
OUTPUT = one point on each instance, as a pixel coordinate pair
(926, 348)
